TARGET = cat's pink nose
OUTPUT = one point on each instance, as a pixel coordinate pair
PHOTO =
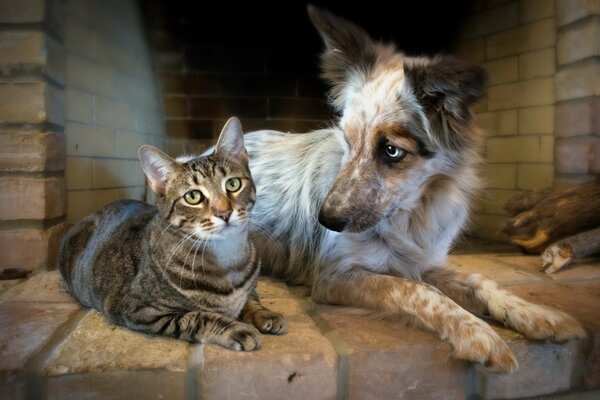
(224, 215)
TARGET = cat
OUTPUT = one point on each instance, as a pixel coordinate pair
(185, 268)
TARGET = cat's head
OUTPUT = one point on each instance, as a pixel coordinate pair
(209, 196)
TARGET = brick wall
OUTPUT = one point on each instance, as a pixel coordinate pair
(516, 42)
(112, 105)
(32, 142)
(204, 82)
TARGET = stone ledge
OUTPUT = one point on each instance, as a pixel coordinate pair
(329, 352)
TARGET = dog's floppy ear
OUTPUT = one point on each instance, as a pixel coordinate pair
(446, 88)
(348, 50)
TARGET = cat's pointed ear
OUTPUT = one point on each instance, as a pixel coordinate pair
(157, 166)
(231, 141)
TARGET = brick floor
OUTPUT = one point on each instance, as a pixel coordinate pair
(51, 348)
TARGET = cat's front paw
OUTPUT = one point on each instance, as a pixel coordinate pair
(268, 321)
(239, 337)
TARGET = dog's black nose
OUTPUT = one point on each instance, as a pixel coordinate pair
(332, 223)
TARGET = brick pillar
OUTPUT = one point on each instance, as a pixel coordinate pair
(32, 144)
(577, 116)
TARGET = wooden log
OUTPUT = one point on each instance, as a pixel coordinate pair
(553, 215)
(563, 252)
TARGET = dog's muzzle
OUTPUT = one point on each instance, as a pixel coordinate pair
(332, 223)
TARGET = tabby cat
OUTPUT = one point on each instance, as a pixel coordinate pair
(186, 268)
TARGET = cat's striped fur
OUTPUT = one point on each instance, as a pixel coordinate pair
(183, 270)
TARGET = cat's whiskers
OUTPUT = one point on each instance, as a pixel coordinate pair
(177, 247)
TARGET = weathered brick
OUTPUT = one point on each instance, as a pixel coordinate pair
(537, 64)
(113, 114)
(114, 173)
(135, 193)
(520, 149)
(490, 21)
(31, 102)
(31, 198)
(26, 327)
(533, 10)
(79, 173)
(30, 248)
(81, 203)
(90, 140)
(595, 158)
(495, 199)
(211, 107)
(298, 108)
(128, 143)
(23, 11)
(498, 123)
(578, 80)
(568, 11)
(79, 38)
(389, 360)
(97, 346)
(175, 146)
(21, 50)
(190, 128)
(522, 39)
(533, 92)
(573, 156)
(578, 41)
(45, 286)
(471, 50)
(153, 384)
(535, 176)
(83, 73)
(501, 176)
(578, 117)
(488, 226)
(176, 106)
(502, 70)
(149, 122)
(536, 120)
(31, 150)
(79, 105)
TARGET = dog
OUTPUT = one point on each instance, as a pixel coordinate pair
(366, 211)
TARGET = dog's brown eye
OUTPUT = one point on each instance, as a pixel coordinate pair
(394, 153)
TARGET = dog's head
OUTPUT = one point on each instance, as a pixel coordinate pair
(403, 122)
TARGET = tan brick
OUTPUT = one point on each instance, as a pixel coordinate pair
(79, 105)
(178, 146)
(489, 21)
(134, 193)
(79, 173)
(114, 173)
(578, 117)
(533, 10)
(79, 38)
(55, 63)
(533, 92)
(30, 248)
(97, 346)
(31, 150)
(149, 122)
(389, 360)
(537, 64)
(112, 114)
(26, 328)
(522, 39)
(578, 41)
(488, 226)
(502, 70)
(21, 49)
(31, 198)
(23, 11)
(176, 106)
(83, 73)
(498, 123)
(573, 156)
(578, 80)
(536, 120)
(535, 176)
(153, 384)
(520, 149)
(80, 203)
(129, 142)
(495, 199)
(89, 140)
(568, 11)
(471, 50)
(44, 286)
(500, 176)
(595, 158)
(31, 102)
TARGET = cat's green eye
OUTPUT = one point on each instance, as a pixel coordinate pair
(233, 184)
(193, 197)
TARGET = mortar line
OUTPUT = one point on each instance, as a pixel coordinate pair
(35, 381)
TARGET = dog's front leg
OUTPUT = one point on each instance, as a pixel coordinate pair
(471, 337)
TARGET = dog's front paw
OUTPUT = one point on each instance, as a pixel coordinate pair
(239, 337)
(268, 321)
(477, 341)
